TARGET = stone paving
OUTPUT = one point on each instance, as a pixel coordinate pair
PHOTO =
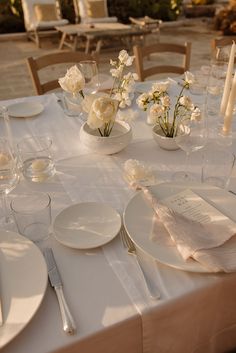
(15, 80)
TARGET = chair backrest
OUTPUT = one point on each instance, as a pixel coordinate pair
(221, 43)
(30, 17)
(92, 11)
(142, 53)
(51, 60)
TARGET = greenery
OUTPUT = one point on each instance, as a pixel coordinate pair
(11, 14)
(203, 2)
(166, 10)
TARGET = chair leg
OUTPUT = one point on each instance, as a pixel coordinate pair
(63, 37)
(37, 40)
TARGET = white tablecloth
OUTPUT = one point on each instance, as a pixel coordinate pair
(196, 312)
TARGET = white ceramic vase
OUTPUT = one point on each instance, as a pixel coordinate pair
(119, 138)
(166, 143)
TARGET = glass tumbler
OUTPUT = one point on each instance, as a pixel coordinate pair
(36, 158)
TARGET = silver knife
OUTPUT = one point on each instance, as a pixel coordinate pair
(55, 280)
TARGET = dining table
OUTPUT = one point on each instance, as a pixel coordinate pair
(103, 285)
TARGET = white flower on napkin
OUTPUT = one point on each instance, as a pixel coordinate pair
(134, 171)
(73, 82)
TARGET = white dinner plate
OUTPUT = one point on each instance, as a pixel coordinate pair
(139, 220)
(87, 225)
(23, 282)
(25, 109)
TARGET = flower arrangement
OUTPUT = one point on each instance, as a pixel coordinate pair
(103, 110)
(160, 112)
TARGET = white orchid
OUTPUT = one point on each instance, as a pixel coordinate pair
(161, 112)
(189, 78)
(73, 82)
(186, 102)
(125, 58)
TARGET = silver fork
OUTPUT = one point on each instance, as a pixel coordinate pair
(128, 243)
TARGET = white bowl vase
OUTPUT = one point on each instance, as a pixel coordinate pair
(119, 138)
(166, 143)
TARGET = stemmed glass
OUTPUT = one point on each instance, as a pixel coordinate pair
(89, 69)
(9, 176)
(215, 88)
(191, 136)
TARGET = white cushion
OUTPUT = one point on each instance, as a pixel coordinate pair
(51, 24)
(30, 19)
(84, 16)
(99, 20)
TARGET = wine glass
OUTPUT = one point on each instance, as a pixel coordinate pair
(9, 176)
(89, 70)
(191, 136)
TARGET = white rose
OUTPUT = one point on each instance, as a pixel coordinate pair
(125, 59)
(196, 114)
(103, 110)
(73, 82)
(88, 100)
(156, 110)
(186, 102)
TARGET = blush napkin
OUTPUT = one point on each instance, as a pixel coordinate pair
(213, 244)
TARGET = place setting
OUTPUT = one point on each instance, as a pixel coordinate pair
(119, 206)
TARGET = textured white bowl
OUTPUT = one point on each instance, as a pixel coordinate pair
(119, 138)
(166, 143)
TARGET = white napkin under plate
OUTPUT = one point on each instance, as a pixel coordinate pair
(197, 229)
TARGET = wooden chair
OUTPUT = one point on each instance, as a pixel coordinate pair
(221, 43)
(142, 53)
(92, 11)
(51, 60)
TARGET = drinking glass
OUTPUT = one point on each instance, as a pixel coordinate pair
(9, 177)
(36, 158)
(191, 136)
(89, 69)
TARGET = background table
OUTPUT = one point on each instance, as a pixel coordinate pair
(99, 32)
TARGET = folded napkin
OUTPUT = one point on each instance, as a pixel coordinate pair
(210, 240)
(187, 222)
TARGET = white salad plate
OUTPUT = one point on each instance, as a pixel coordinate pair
(23, 282)
(87, 225)
(139, 219)
(25, 109)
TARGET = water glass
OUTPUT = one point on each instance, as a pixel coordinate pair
(36, 158)
(72, 104)
(90, 71)
(217, 166)
(32, 215)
